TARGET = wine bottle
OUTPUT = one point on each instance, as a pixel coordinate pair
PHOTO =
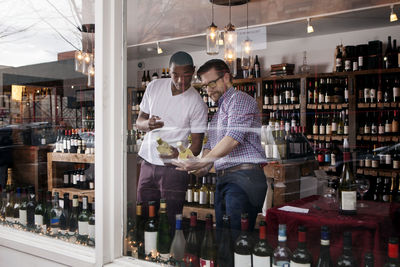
(138, 234)
(243, 245)
(178, 243)
(73, 216)
(83, 221)
(39, 211)
(148, 80)
(189, 192)
(301, 256)
(192, 249)
(262, 252)
(208, 257)
(47, 213)
(339, 59)
(150, 231)
(388, 54)
(282, 253)
(163, 233)
(22, 208)
(184, 153)
(203, 201)
(324, 258)
(347, 187)
(393, 253)
(92, 226)
(225, 245)
(257, 68)
(9, 209)
(64, 218)
(144, 79)
(163, 147)
(211, 192)
(55, 215)
(17, 199)
(369, 259)
(347, 259)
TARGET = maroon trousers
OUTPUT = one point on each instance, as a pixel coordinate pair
(156, 182)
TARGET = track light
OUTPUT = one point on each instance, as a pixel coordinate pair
(310, 28)
(393, 16)
(159, 49)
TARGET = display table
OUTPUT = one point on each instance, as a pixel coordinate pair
(370, 228)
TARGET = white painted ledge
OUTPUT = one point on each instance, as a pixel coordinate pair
(132, 262)
(46, 247)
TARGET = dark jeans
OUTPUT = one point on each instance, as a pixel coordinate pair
(236, 193)
(156, 182)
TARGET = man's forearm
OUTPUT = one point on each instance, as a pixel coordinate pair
(223, 148)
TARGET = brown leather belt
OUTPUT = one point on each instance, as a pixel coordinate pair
(244, 166)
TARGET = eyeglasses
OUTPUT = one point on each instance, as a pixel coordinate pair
(211, 84)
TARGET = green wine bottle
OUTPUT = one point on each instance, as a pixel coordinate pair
(150, 231)
(347, 259)
(324, 258)
(208, 251)
(83, 221)
(262, 251)
(347, 186)
(73, 216)
(301, 254)
(163, 233)
(39, 211)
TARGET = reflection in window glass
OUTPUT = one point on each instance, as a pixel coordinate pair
(47, 118)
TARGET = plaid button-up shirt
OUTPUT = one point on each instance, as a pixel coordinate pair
(238, 117)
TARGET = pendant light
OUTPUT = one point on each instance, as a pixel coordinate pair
(310, 28)
(212, 36)
(230, 43)
(246, 47)
(393, 16)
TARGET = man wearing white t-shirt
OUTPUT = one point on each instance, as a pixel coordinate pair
(171, 109)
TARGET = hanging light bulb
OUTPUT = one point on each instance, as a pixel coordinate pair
(87, 59)
(310, 28)
(91, 72)
(393, 16)
(230, 44)
(221, 38)
(78, 60)
(159, 49)
(212, 36)
(246, 48)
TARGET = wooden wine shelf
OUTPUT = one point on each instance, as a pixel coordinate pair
(74, 191)
(378, 138)
(378, 105)
(328, 168)
(284, 77)
(282, 107)
(67, 157)
(201, 212)
(378, 172)
(246, 81)
(327, 138)
(327, 106)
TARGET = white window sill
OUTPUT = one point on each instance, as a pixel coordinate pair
(47, 247)
(132, 262)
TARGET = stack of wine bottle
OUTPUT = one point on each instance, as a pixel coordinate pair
(151, 240)
(201, 194)
(282, 92)
(76, 141)
(46, 215)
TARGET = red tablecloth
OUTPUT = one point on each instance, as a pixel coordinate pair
(371, 227)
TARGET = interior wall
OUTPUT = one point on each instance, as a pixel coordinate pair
(320, 52)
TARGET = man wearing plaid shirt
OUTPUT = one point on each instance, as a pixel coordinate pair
(233, 147)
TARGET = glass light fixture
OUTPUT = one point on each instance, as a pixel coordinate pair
(310, 28)
(91, 72)
(87, 59)
(159, 49)
(78, 60)
(230, 44)
(246, 48)
(393, 16)
(221, 38)
(212, 36)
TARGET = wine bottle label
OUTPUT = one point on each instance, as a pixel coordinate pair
(334, 127)
(375, 164)
(320, 158)
(396, 164)
(346, 94)
(366, 94)
(281, 264)
(203, 198)
(396, 91)
(388, 159)
(287, 94)
(196, 196)
(367, 130)
(381, 129)
(269, 151)
(212, 197)
(346, 129)
(315, 129)
(355, 65)
(360, 61)
(338, 62)
(385, 198)
(242, 260)
(372, 94)
(276, 99)
(38, 219)
(83, 228)
(333, 159)
(91, 231)
(374, 129)
(349, 200)
(321, 98)
(322, 129)
(328, 129)
(275, 151)
(287, 126)
(327, 99)
(150, 242)
(206, 263)
(327, 158)
(259, 261)
(66, 179)
(368, 163)
(395, 126)
(22, 217)
(265, 100)
(347, 65)
(388, 127)
(294, 264)
(189, 195)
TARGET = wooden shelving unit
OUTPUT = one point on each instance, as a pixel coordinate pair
(53, 182)
(378, 172)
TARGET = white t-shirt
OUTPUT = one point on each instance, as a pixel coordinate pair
(182, 114)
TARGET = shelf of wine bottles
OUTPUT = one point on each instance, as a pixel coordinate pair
(249, 88)
(281, 92)
(201, 192)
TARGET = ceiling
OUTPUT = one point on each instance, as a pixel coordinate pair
(181, 24)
